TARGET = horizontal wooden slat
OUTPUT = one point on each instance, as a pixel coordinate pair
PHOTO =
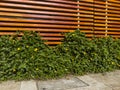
(99, 6)
(114, 19)
(36, 12)
(99, 24)
(84, 3)
(37, 16)
(113, 8)
(100, 2)
(87, 1)
(35, 29)
(41, 34)
(114, 22)
(52, 39)
(114, 4)
(52, 43)
(64, 1)
(37, 21)
(50, 3)
(36, 25)
(85, 12)
(36, 7)
(85, 8)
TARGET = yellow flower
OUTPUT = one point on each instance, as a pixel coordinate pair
(27, 46)
(119, 65)
(66, 49)
(73, 34)
(14, 70)
(18, 49)
(36, 49)
(84, 53)
(37, 69)
(113, 63)
(32, 57)
(91, 59)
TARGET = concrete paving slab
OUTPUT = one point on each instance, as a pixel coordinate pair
(61, 84)
(111, 79)
(10, 85)
(116, 88)
(28, 85)
(77, 83)
(93, 84)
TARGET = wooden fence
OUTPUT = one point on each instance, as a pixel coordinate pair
(97, 18)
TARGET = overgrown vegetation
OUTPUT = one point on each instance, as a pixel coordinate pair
(29, 58)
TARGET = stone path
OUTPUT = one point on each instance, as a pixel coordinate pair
(10, 85)
(108, 81)
(111, 79)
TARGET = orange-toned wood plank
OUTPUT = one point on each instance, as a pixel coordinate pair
(111, 4)
(86, 8)
(52, 43)
(64, 1)
(42, 3)
(36, 12)
(114, 18)
(99, 24)
(85, 27)
(113, 33)
(86, 12)
(37, 25)
(32, 16)
(52, 38)
(87, 31)
(34, 29)
(85, 16)
(113, 11)
(25, 6)
(38, 21)
(85, 3)
(41, 34)
(99, 2)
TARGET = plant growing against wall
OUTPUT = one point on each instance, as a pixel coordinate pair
(29, 58)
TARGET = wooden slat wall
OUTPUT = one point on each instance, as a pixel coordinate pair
(98, 18)
(86, 17)
(114, 18)
(49, 17)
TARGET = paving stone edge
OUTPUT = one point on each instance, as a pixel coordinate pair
(28, 85)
